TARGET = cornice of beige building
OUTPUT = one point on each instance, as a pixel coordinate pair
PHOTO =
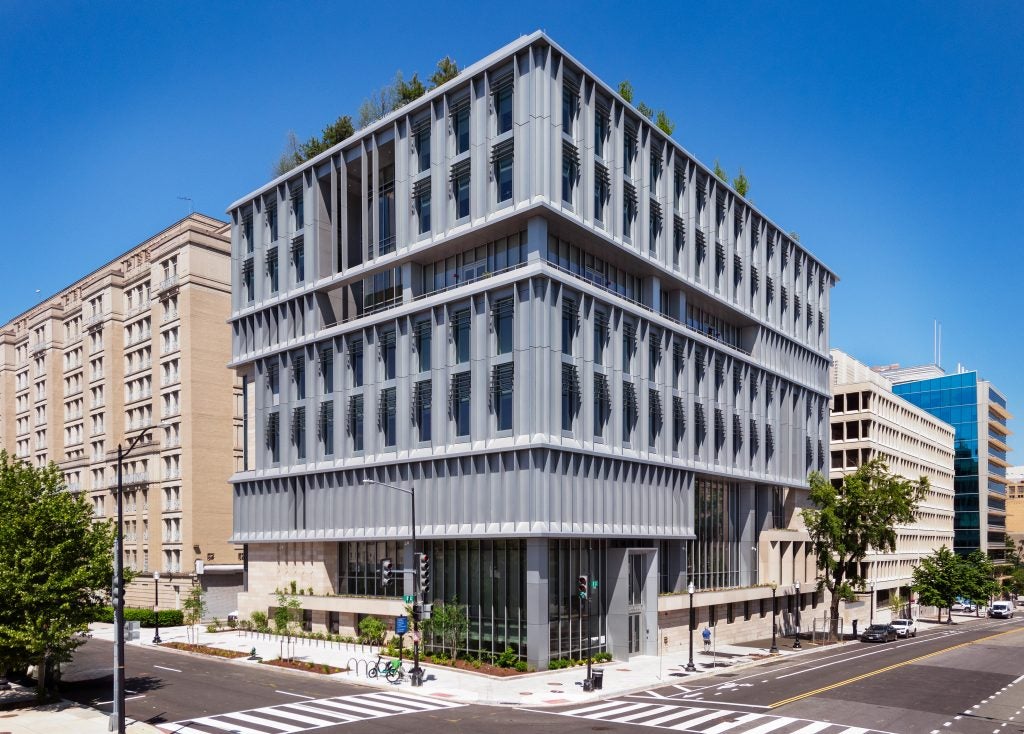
(869, 421)
(139, 343)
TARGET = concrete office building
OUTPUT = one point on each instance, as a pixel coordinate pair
(869, 421)
(139, 343)
(586, 354)
(977, 411)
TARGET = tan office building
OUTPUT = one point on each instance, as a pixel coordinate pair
(868, 420)
(1015, 502)
(140, 344)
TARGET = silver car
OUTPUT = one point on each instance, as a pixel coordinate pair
(905, 627)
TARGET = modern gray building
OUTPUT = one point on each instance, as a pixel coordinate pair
(585, 353)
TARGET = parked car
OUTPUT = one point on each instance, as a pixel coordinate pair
(1001, 609)
(905, 627)
(879, 633)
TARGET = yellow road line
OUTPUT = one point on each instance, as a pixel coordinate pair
(840, 684)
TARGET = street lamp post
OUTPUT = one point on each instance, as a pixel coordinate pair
(774, 649)
(690, 667)
(156, 607)
(871, 585)
(796, 632)
(416, 674)
(117, 722)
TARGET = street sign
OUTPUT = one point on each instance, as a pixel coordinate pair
(409, 598)
(401, 625)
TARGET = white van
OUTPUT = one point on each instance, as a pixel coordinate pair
(1001, 609)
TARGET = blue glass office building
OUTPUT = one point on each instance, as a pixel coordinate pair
(978, 413)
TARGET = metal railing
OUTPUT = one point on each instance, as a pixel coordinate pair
(168, 283)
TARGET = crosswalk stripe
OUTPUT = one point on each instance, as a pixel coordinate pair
(616, 712)
(283, 711)
(226, 726)
(771, 725)
(580, 712)
(813, 727)
(419, 701)
(364, 701)
(182, 729)
(681, 712)
(321, 712)
(727, 725)
(642, 714)
(242, 716)
(334, 703)
(711, 716)
(854, 730)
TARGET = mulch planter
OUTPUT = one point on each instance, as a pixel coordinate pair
(204, 650)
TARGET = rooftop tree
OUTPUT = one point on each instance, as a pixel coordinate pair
(848, 521)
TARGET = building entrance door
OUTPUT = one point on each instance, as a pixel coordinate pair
(635, 622)
(634, 633)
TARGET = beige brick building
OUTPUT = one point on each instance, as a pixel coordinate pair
(868, 421)
(139, 344)
(1015, 502)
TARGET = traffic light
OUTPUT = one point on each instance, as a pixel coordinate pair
(117, 595)
(424, 574)
(385, 571)
(582, 587)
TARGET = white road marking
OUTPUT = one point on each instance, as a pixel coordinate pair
(289, 693)
(173, 670)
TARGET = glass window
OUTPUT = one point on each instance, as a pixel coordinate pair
(423, 147)
(299, 432)
(570, 396)
(327, 369)
(570, 317)
(387, 353)
(503, 384)
(423, 211)
(600, 131)
(299, 376)
(462, 195)
(570, 97)
(355, 351)
(299, 260)
(387, 415)
(568, 180)
(462, 129)
(503, 325)
(503, 108)
(600, 197)
(356, 421)
(298, 208)
(272, 221)
(424, 334)
(462, 404)
(272, 270)
(460, 323)
(422, 399)
(503, 175)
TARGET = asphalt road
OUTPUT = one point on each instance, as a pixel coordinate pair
(968, 679)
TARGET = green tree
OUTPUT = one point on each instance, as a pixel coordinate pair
(450, 623)
(447, 69)
(287, 613)
(194, 611)
(897, 604)
(407, 91)
(664, 123)
(1014, 553)
(56, 565)
(291, 156)
(741, 184)
(979, 578)
(860, 515)
(645, 111)
(939, 579)
(372, 631)
(795, 236)
(626, 90)
(720, 172)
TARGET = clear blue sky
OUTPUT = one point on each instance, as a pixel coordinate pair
(890, 135)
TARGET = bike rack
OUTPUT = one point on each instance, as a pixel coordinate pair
(351, 667)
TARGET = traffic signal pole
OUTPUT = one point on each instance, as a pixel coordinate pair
(416, 674)
(117, 714)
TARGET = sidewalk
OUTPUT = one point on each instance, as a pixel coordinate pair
(57, 718)
(543, 688)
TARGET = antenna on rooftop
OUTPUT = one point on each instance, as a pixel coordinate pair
(937, 342)
(191, 208)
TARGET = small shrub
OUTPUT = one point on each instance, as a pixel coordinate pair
(476, 663)
(309, 591)
(507, 659)
(372, 630)
(211, 627)
(293, 586)
(232, 622)
(521, 666)
(259, 621)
